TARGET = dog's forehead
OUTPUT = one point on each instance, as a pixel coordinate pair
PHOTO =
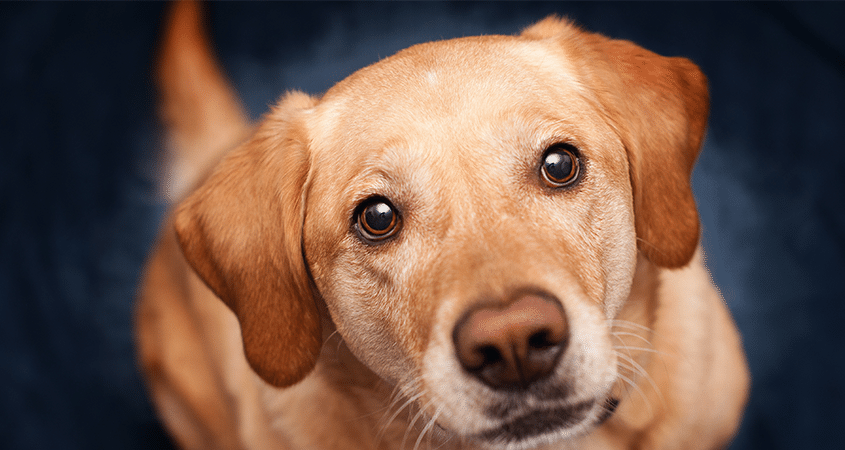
(440, 95)
(449, 85)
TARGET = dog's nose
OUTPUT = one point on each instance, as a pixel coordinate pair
(512, 346)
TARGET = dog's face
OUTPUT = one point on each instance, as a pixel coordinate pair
(458, 159)
(469, 211)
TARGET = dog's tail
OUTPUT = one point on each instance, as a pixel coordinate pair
(201, 112)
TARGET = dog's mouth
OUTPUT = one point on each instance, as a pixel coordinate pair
(560, 421)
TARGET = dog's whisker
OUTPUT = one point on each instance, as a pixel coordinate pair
(633, 326)
(427, 428)
(629, 356)
(386, 424)
(445, 441)
(628, 348)
(413, 422)
(629, 324)
(397, 398)
(330, 336)
(630, 369)
(635, 335)
(634, 385)
(624, 346)
(372, 413)
(621, 384)
(663, 355)
(635, 367)
(641, 349)
(394, 398)
(638, 369)
(620, 362)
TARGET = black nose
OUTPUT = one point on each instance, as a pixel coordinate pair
(515, 345)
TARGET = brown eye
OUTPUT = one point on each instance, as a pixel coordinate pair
(560, 166)
(377, 219)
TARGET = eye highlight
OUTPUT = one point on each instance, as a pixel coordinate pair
(377, 219)
(560, 166)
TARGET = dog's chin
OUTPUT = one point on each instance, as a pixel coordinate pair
(546, 426)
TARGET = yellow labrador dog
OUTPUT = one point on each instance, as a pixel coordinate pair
(479, 243)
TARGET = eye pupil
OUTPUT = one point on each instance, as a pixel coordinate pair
(377, 220)
(560, 166)
(378, 217)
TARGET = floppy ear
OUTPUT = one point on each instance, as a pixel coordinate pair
(241, 231)
(659, 108)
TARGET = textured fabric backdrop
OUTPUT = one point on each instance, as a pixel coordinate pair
(78, 210)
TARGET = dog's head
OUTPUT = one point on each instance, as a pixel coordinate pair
(470, 213)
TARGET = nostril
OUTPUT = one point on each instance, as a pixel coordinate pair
(490, 355)
(540, 340)
(475, 359)
(546, 339)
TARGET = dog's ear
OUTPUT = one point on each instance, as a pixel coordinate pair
(241, 230)
(659, 108)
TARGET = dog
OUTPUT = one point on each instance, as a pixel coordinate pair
(480, 243)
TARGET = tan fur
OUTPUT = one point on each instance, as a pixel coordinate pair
(322, 341)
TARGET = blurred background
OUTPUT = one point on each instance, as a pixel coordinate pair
(79, 209)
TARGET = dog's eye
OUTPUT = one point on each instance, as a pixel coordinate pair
(377, 219)
(560, 166)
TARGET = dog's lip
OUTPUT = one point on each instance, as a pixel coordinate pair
(539, 422)
(609, 407)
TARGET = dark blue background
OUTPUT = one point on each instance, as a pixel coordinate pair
(78, 209)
